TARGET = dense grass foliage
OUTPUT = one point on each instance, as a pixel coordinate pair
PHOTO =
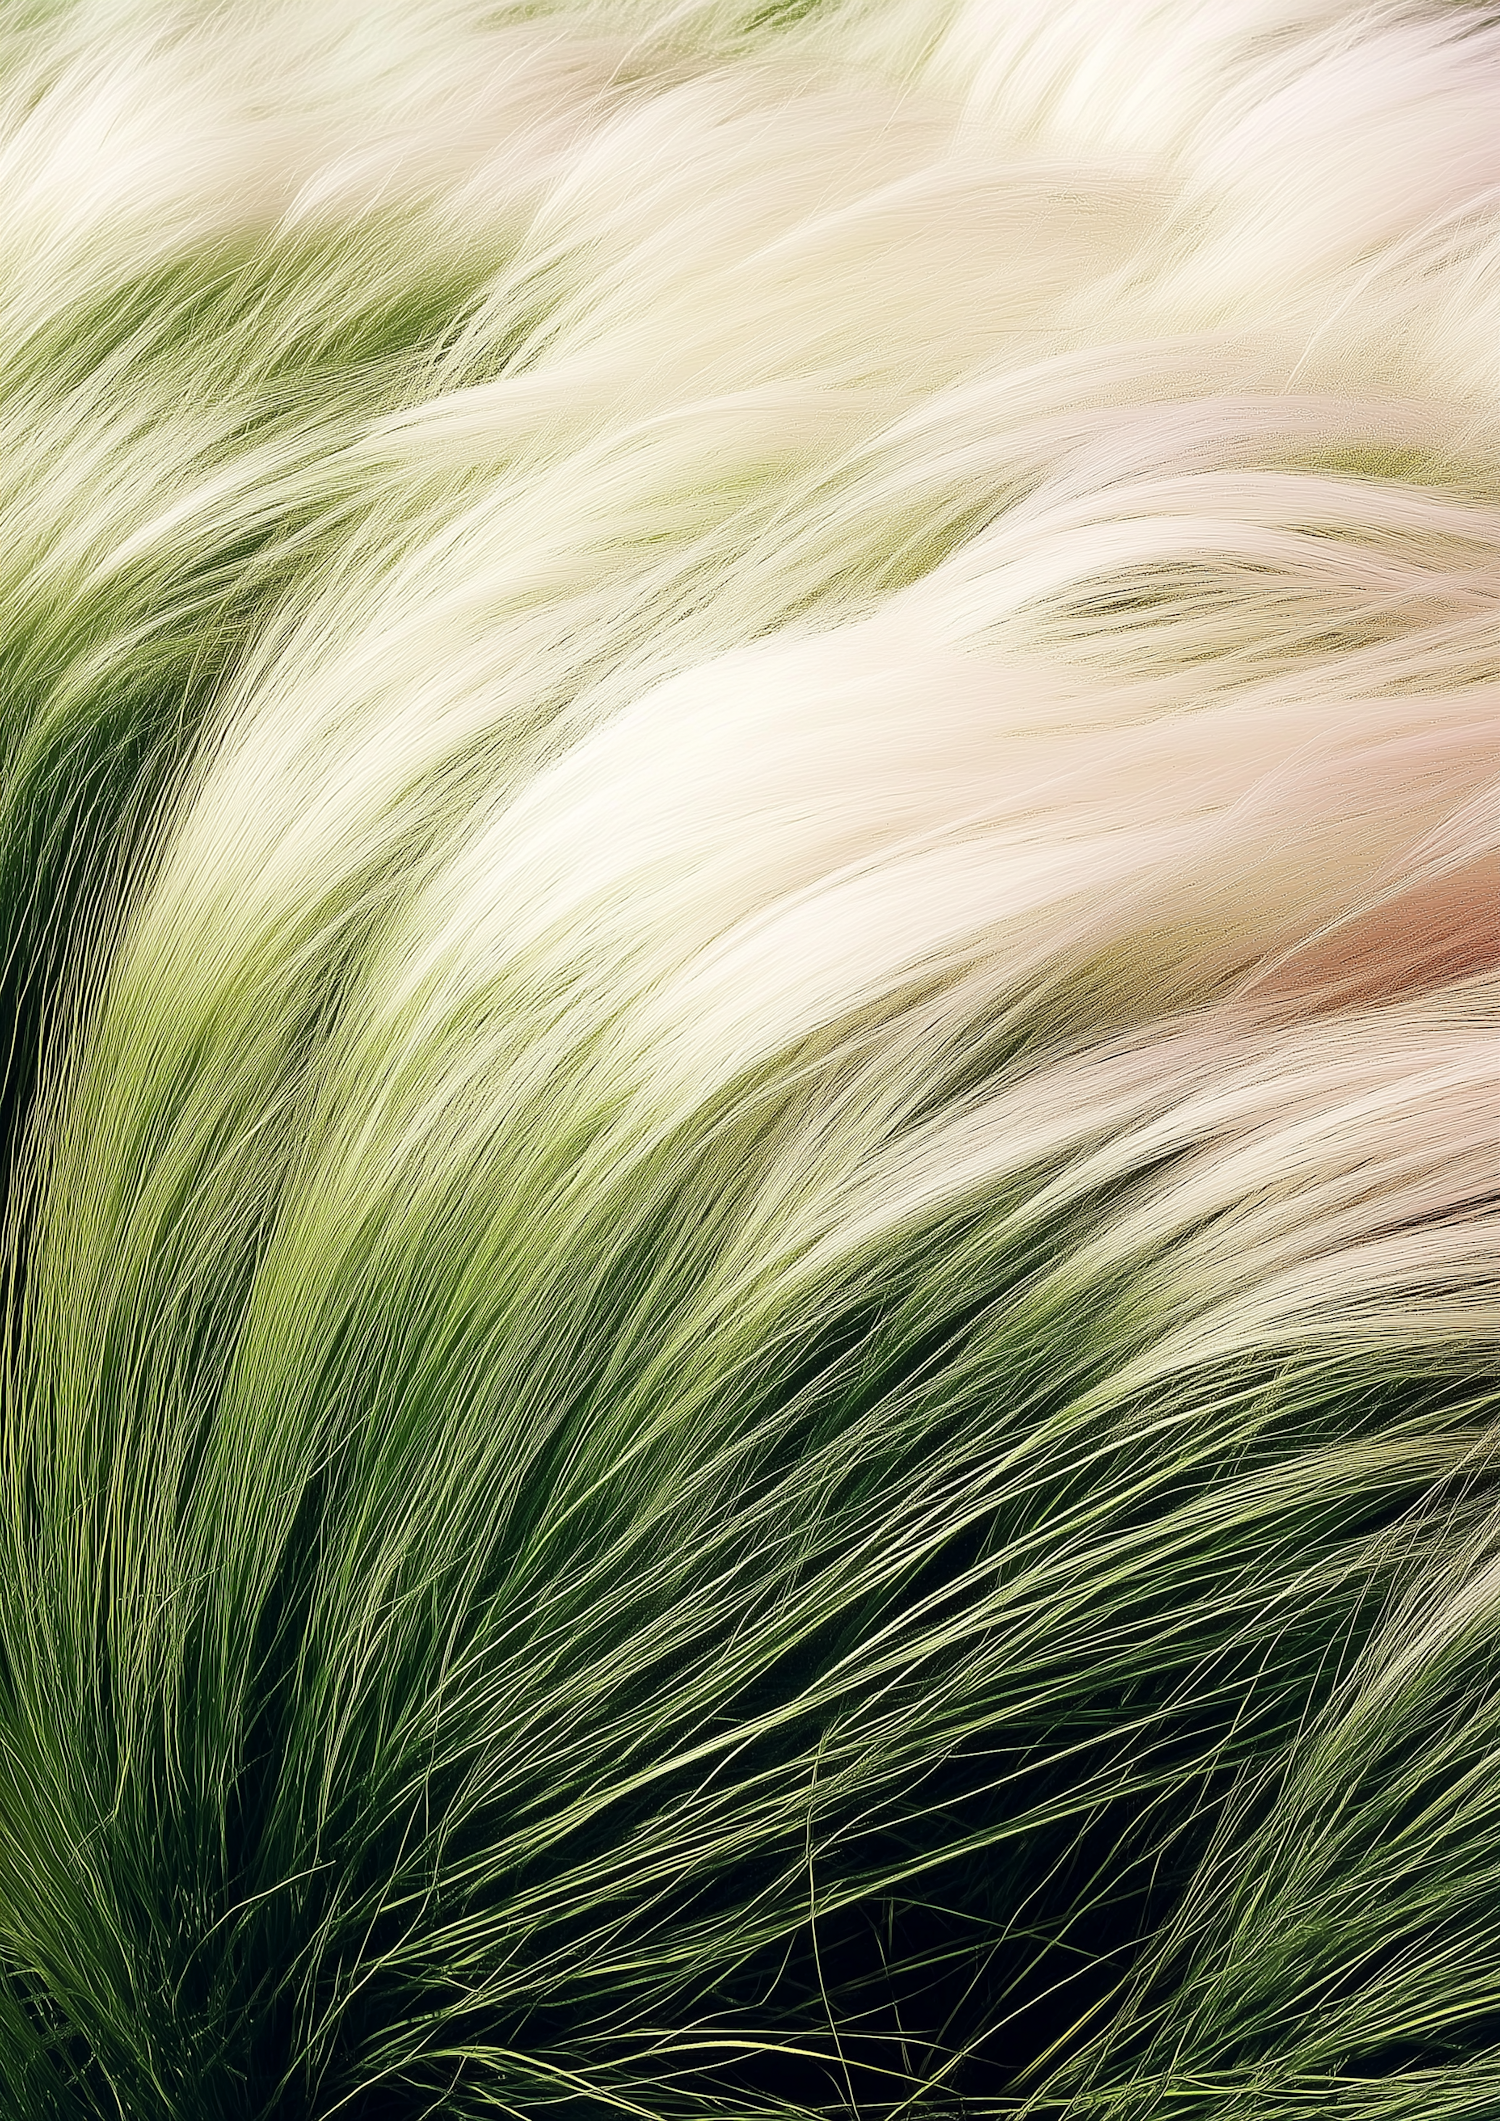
(751, 1108)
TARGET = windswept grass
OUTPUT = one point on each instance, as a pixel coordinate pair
(750, 1097)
